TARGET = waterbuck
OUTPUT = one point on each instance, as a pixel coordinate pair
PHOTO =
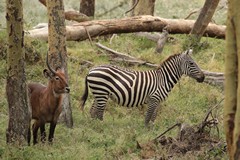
(46, 101)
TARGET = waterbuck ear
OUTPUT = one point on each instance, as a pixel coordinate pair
(47, 73)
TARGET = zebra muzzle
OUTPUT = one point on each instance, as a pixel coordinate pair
(201, 78)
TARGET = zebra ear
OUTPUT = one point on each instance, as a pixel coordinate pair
(189, 52)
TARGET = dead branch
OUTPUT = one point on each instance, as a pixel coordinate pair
(215, 74)
(71, 15)
(212, 122)
(115, 53)
(121, 57)
(161, 41)
(169, 129)
(151, 36)
(193, 12)
(134, 5)
(76, 16)
(214, 78)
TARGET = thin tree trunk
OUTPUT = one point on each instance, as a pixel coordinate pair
(87, 7)
(232, 83)
(143, 7)
(202, 22)
(18, 130)
(57, 47)
(83, 30)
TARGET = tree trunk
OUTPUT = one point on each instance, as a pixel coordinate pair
(83, 30)
(232, 84)
(18, 130)
(202, 22)
(57, 47)
(143, 7)
(87, 7)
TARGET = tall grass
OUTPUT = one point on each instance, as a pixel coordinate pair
(116, 136)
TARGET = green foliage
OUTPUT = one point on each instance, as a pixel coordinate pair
(116, 137)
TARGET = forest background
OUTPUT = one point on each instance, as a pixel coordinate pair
(117, 136)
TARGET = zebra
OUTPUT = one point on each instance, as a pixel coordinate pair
(135, 88)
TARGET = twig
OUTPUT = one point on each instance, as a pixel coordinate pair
(111, 39)
(190, 14)
(210, 110)
(89, 37)
(135, 4)
(111, 9)
(118, 54)
(177, 124)
(212, 121)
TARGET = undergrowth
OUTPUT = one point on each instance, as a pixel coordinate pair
(117, 135)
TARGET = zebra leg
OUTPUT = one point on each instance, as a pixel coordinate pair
(154, 115)
(98, 107)
(151, 111)
(93, 110)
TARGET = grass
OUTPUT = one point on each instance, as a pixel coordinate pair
(116, 136)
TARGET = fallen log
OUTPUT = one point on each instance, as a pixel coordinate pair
(71, 15)
(214, 78)
(81, 31)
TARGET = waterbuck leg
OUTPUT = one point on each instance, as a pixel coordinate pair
(51, 131)
(43, 133)
(29, 135)
(35, 127)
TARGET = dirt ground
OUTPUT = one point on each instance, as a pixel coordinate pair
(191, 141)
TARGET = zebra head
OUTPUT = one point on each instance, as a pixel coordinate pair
(190, 68)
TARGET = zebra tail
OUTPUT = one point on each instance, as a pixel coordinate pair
(85, 95)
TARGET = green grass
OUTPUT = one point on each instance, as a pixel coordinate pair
(116, 136)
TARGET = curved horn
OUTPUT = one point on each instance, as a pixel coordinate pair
(49, 67)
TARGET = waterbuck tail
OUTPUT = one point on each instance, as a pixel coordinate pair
(85, 95)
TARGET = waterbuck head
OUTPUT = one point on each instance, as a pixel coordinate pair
(190, 68)
(57, 78)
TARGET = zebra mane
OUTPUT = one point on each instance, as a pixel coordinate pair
(167, 59)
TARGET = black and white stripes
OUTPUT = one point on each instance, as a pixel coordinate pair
(135, 88)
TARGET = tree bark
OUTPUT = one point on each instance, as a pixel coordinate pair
(202, 22)
(143, 7)
(57, 47)
(232, 83)
(87, 7)
(81, 31)
(18, 130)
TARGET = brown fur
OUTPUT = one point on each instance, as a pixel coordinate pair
(46, 103)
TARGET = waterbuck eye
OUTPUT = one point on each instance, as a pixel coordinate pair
(57, 78)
